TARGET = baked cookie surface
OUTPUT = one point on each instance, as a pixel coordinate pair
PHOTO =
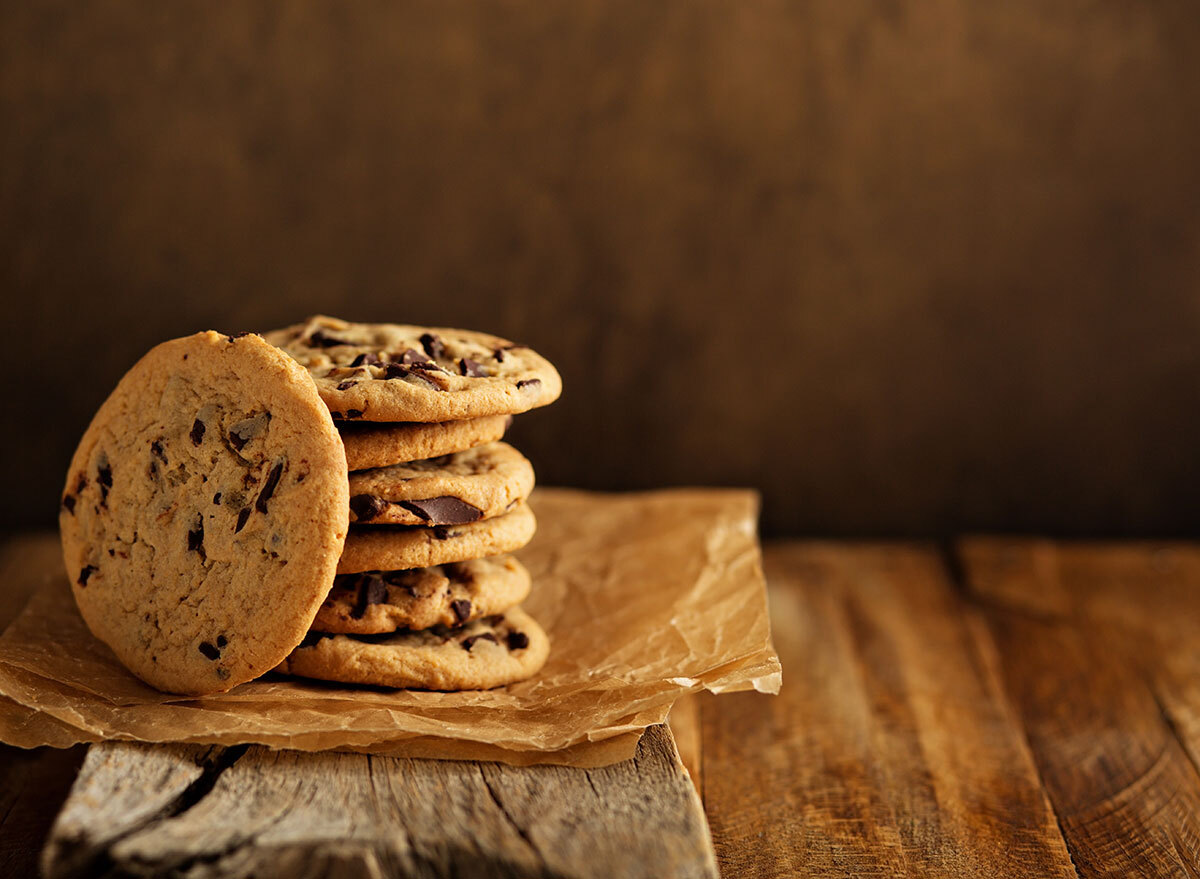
(480, 483)
(204, 512)
(397, 548)
(449, 595)
(399, 372)
(380, 444)
(490, 652)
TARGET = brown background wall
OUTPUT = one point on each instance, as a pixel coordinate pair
(910, 267)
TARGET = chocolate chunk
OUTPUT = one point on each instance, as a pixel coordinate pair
(409, 357)
(499, 355)
(217, 498)
(371, 590)
(313, 638)
(346, 385)
(68, 503)
(370, 358)
(517, 640)
(209, 651)
(461, 608)
(442, 532)
(495, 619)
(532, 383)
(445, 510)
(433, 345)
(322, 339)
(195, 538)
(467, 366)
(242, 517)
(197, 432)
(268, 488)
(395, 370)
(366, 507)
(81, 484)
(468, 643)
(221, 641)
(247, 429)
(87, 572)
(156, 449)
(104, 476)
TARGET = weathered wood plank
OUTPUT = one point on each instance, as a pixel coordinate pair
(202, 812)
(890, 750)
(1091, 641)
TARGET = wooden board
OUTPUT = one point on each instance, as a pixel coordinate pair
(890, 750)
(199, 811)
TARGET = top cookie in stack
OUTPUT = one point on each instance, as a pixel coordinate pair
(426, 595)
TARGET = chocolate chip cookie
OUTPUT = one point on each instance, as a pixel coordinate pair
(490, 652)
(379, 444)
(204, 512)
(396, 548)
(397, 372)
(449, 595)
(480, 483)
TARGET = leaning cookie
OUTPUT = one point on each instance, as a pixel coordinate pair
(375, 602)
(380, 444)
(204, 513)
(480, 483)
(398, 372)
(490, 652)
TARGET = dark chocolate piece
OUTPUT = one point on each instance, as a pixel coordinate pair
(468, 643)
(156, 449)
(87, 572)
(346, 385)
(247, 429)
(433, 345)
(517, 640)
(371, 590)
(217, 498)
(195, 538)
(461, 608)
(467, 366)
(442, 532)
(444, 510)
(529, 383)
(322, 339)
(410, 357)
(366, 507)
(68, 503)
(268, 488)
(222, 641)
(209, 650)
(370, 358)
(197, 432)
(243, 516)
(104, 477)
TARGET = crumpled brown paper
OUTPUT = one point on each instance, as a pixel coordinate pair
(646, 597)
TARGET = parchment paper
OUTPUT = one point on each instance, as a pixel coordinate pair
(645, 597)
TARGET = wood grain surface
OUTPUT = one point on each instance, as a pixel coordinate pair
(910, 267)
(1009, 707)
(140, 810)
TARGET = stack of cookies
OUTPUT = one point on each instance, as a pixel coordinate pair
(332, 502)
(426, 593)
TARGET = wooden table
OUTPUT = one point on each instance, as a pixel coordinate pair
(1001, 707)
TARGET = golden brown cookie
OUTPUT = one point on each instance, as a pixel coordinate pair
(398, 372)
(489, 652)
(450, 595)
(396, 548)
(380, 444)
(480, 483)
(204, 512)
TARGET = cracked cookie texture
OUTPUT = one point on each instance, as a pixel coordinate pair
(204, 512)
(406, 373)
